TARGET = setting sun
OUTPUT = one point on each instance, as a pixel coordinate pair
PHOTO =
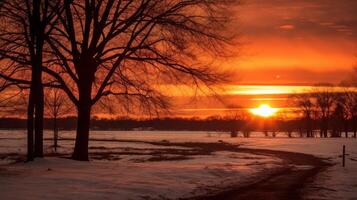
(264, 110)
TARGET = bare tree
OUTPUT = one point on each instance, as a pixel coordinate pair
(351, 108)
(338, 116)
(244, 117)
(235, 114)
(24, 26)
(57, 106)
(324, 102)
(305, 105)
(285, 121)
(131, 50)
(342, 114)
(350, 101)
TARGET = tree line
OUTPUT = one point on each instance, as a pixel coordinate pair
(107, 54)
(269, 127)
(327, 111)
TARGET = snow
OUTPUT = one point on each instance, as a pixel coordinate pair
(56, 178)
(336, 182)
(59, 178)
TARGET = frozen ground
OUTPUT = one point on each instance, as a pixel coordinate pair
(131, 174)
(334, 183)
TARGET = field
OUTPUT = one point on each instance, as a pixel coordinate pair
(172, 165)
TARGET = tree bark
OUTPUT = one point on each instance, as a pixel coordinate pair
(37, 31)
(55, 133)
(354, 126)
(82, 137)
(39, 109)
(83, 120)
(30, 122)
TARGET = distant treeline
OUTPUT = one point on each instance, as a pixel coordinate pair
(175, 124)
(267, 126)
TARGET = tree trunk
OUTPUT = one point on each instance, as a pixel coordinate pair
(354, 126)
(83, 120)
(30, 122)
(39, 108)
(326, 126)
(37, 31)
(82, 137)
(308, 132)
(55, 133)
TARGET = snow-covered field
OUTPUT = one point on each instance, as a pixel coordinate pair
(132, 176)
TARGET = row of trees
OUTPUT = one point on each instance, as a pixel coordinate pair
(333, 108)
(93, 50)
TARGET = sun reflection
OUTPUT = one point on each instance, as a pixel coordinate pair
(264, 110)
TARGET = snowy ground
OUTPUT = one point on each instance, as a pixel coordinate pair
(336, 182)
(131, 175)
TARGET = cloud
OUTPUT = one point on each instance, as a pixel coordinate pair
(319, 36)
(318, 17)
(287, 27)
(292, 76)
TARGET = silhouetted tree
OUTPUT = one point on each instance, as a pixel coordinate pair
(57, 106)
(131, 50)
(24, 26)
(285, 121)
(324, 102)
(337, 119)
(342, 114)
(304, 103)
(351, 108)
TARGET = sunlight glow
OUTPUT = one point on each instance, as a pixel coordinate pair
(264, 110)
(266, 89)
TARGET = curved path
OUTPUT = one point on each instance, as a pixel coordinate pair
(286, 183)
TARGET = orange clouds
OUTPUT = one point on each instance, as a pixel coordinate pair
(285, 39)
(287, 27)
(306, 52)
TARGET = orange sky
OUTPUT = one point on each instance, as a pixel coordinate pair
(295, 42)
(284, 47)
(285, 43)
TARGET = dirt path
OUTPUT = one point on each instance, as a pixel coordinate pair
(284, 184)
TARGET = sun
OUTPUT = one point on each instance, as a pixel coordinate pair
(264, 110)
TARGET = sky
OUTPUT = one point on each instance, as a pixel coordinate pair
(285, 47)
(300, 42)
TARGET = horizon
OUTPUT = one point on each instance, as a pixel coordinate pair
(178, 99)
